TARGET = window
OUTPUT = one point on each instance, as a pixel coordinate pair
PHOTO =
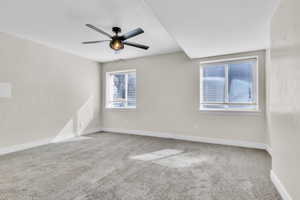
(229, 85)
(121, 89)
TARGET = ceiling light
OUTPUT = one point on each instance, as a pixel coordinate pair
(116, 45)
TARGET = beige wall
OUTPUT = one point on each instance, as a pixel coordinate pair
(284, 95)
(168, 101)
(48, 89)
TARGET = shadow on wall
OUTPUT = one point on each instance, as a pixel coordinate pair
(78, 123)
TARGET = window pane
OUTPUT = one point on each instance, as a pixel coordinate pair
(213, 84)
(131, 89)
(118, 90)
(122, 89)
(240, 83)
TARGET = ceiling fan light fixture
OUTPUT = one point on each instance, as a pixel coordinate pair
(116, 45)
(117, 42)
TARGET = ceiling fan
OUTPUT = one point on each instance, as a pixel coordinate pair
(116, 41)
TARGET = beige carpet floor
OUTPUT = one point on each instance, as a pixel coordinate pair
(109, 166)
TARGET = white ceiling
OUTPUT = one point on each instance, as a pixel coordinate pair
(61, 24)
(201, 28)
(206, 28)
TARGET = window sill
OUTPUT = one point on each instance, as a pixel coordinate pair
(231, 111)
(121, 108)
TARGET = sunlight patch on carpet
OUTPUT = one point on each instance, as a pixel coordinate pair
(157, 155)
(181, 161)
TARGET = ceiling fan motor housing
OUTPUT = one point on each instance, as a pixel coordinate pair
(116, 30)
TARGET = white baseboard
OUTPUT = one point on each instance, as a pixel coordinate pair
(21, 147)
(189, 138)
(280, 187)
(91, 131)
(237, 143)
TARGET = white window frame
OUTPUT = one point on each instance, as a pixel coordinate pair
(108, 95)
(225, 62)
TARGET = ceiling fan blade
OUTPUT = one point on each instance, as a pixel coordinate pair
(131, 34)
(136, 45)
(98, 30)
(93, 42)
